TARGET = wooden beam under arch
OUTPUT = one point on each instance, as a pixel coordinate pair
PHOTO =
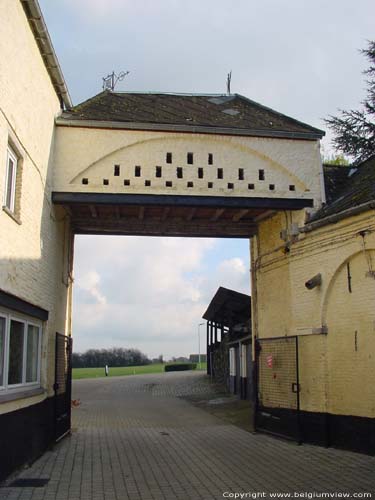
(218, 213)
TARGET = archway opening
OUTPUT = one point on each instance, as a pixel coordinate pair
(149, 295)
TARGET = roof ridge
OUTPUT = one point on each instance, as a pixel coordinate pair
(189, 94)
(281, 114)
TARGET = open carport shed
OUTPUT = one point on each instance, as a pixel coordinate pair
(229, 357)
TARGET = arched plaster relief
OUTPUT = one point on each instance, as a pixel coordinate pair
(189, 141)
(112, 153)
(336, 274)
(349, 314)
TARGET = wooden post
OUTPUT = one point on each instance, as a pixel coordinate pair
(208, 348)
(211, 348)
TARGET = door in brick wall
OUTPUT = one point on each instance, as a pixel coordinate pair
(278, 387)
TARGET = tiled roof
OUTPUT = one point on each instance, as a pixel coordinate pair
(348, 187)
(335, 178)
(231, 112)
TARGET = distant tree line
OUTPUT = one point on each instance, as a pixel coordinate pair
(116, 356)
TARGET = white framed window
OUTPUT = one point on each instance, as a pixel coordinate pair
(10, 180)
(20, 352)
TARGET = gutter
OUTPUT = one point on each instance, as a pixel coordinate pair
(194, 129)
(43, 40)
(331, 219)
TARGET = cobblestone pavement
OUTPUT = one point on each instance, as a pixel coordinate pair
(136, 438)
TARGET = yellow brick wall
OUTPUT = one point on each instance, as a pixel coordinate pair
(351, 336)
(337, 370)
(31, 253)
(313, 372)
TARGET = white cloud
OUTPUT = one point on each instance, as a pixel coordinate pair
(234, 266)
(232, 273)
(89, 282)
(148, 293)
(136, 269)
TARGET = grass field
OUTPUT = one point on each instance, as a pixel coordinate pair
(120, 371)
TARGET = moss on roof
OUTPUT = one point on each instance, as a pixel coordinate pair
(188, 110)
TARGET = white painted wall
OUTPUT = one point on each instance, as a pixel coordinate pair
(88, 153)
(32, 251)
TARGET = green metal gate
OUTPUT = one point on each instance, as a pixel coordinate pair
(278, 402)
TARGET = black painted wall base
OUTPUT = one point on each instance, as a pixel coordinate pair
(24, 435)
(246, 388)
(278, 421)
(324, 429)
(233, 384)
(243, 388)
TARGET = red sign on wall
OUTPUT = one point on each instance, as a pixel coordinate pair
(269, 360)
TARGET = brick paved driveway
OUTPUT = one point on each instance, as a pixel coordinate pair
(136, 438)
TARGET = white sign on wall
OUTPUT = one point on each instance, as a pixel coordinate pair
(232, 362)
(243, 360)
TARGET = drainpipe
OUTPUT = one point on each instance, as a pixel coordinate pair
(321, 176)
(70, 283)
(254, 252)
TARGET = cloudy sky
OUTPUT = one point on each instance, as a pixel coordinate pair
(151, 293)
(296, 56)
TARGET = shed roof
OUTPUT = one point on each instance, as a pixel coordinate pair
(229, 307)
(348, 187)
(188, 112)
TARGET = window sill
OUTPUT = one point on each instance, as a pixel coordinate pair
(27, 393)
(11, 215)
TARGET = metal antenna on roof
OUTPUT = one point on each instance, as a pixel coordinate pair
(110, 81)
(229, 78)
